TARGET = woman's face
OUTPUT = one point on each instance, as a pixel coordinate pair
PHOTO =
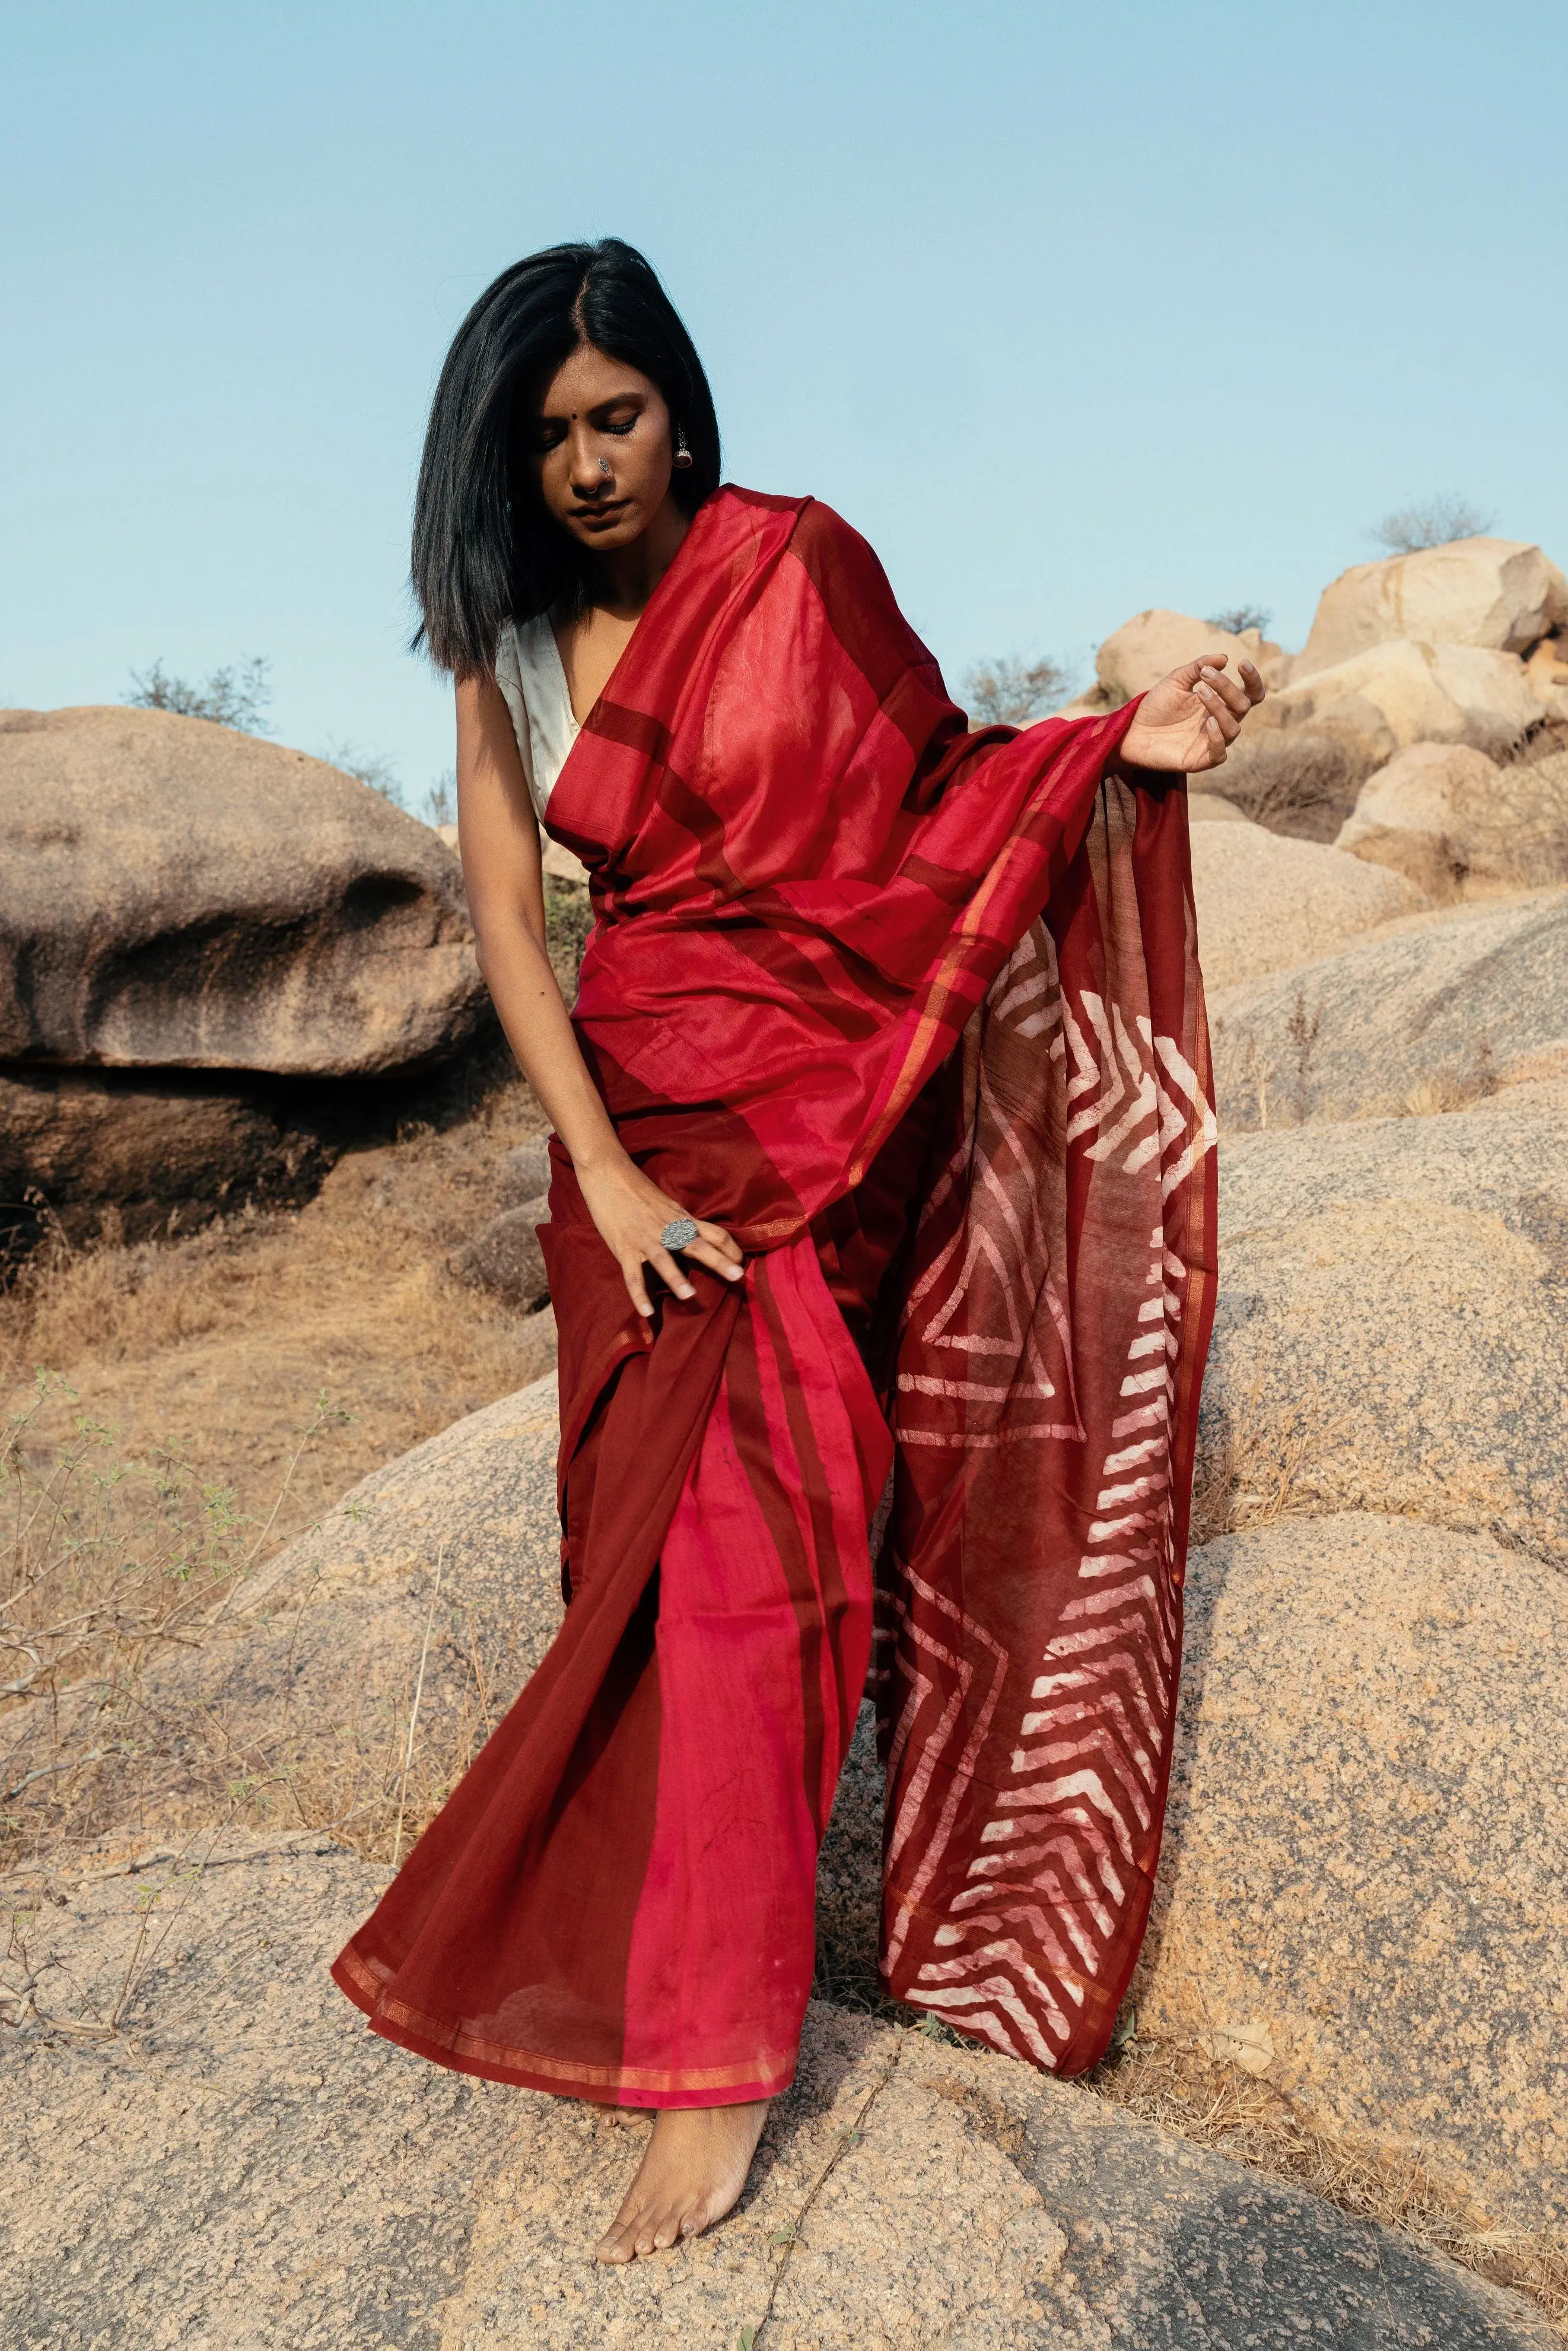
(599, 442)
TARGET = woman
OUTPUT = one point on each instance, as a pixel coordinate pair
(883, 1138)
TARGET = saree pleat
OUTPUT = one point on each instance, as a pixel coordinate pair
(916, 1014)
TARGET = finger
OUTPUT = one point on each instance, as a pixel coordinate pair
(726, 1243)
(1252, 679)
(1234, 695)
(706, 1254)
(1191, 672)
(663, 1263)
(636, 1285)
(1221, 715)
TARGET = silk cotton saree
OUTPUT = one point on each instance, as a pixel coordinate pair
(915, 1013)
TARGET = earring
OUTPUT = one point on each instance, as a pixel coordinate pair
(683, 456)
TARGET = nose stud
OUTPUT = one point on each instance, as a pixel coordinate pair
(605, 464)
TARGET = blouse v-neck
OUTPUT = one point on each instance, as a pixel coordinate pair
(532, 678)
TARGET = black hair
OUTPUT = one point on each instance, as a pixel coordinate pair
(485, 549)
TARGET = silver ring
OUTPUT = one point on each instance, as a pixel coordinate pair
(678, 1234)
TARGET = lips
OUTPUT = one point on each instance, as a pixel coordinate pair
(609, 513)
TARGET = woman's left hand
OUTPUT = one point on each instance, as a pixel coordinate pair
(1190, 721)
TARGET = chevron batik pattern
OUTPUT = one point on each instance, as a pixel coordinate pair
(1026, 1780)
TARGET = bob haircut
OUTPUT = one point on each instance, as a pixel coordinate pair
(485, 551)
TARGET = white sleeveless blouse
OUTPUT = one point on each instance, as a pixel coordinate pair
(533, 683)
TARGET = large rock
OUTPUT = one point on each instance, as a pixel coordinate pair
(1264, 903)
(505, 1257)
(1434, 1011)
(242, 2165)
(182, 895)
(1501, 593)
(1461, 826)
(1546, 674)
(1151, 644)
(166, 1154)
(1301, 783)
(1213, 808)
(1392, 1322)
(1362, 1884)
(1377, 703)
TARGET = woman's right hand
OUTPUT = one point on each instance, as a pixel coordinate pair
(631, 1212)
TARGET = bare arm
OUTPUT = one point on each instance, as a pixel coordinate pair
(500, 840)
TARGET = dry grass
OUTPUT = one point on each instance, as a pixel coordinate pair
(147, 1699)
(1256, 1470)
(176, 1412)
(208, 1350)
(1290, 781)
(1249, 2118)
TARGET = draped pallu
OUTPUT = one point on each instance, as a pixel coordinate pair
(915, 1013)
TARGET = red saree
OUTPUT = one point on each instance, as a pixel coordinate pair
(916, 1014)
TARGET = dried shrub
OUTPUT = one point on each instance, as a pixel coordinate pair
(375, 770)
(1239, 619)
(1292, 781)
(1430, 522)
(1011, 692)
(234, 697)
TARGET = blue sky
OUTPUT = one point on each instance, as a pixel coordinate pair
(1072, 309)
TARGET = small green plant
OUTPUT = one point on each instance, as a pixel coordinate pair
(234, 697)
(372, 768)
(569, 918)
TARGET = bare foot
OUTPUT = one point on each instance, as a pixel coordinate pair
(695, 2168)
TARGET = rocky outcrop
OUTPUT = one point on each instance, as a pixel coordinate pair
(1392, 1322)
(1212, 807)
(1360, 1882)
(1377, 703)
(1461, 826)
(164, 1154)
(505, 1257)
(238, 955)
(1437, 1010)
(1546, 674)
(1264, 903)
(1500, 593)
(525, 1173)
(241, 2164)
(1151, 644)
(182, 895)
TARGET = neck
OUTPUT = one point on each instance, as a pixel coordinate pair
(623, 578)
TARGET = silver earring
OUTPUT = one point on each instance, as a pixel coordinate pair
(683, 456)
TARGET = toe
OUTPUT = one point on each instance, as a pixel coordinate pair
(615, 2245)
